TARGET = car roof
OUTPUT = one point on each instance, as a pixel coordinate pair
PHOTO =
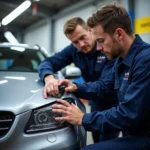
(26, 46)
(34, 47)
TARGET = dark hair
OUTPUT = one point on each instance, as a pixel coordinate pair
(111, 17)
(72, 23)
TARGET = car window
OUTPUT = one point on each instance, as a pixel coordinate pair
(24, 61)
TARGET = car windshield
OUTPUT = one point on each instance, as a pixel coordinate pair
(26, 60)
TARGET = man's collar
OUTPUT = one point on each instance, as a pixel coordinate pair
(132, 51)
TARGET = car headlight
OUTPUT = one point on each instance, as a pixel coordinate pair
(43, 119)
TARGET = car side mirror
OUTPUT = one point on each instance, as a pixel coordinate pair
(71, 72)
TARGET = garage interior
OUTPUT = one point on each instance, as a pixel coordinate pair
(42, 23)
(45, 18)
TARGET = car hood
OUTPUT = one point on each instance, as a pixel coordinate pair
(20, 92)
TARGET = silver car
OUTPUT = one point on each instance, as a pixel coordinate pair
(26, 118)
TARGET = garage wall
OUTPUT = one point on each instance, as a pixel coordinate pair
(60, 40)
(142, 19)
(39, 34)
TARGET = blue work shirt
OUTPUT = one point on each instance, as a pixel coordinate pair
(130, 77)
(94, 65)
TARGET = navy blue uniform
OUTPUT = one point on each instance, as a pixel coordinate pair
(93, 66)
(130, 77)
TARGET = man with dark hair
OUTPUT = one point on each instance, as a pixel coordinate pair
(83, 53)
(130, 78)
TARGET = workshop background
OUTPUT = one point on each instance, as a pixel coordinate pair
(42, 23)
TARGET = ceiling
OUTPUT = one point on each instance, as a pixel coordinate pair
(45, 9)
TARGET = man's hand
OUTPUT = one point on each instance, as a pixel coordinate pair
(51, 86)
(71, 112)
(70, 87)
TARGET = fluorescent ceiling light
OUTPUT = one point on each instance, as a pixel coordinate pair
(15, 13)
(10, 37)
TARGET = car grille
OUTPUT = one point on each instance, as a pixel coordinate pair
(6, 121)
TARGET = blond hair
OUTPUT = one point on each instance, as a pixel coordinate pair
(72, 23)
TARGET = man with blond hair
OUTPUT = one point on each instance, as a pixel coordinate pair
(83, 53)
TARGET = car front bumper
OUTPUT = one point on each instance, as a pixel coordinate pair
(60, 139)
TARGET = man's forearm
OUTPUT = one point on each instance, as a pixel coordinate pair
(90, 90)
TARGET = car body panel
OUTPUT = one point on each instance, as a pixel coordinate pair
(22, 107)
(28, 85)
(21, 93)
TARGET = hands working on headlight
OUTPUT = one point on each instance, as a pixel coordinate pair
(70, 87)
(52, 84)
(71, 112)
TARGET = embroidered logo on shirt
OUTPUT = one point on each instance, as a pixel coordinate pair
(100, 59)
(126, 76)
